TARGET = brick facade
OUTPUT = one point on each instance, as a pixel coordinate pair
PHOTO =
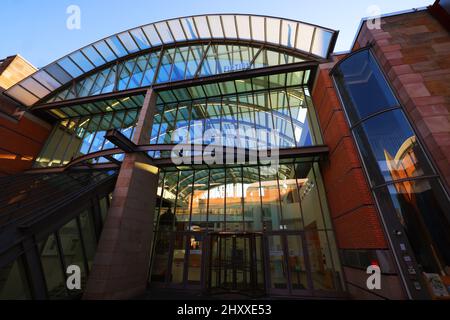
(352, 208)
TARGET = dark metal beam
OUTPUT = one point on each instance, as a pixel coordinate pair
(119, 140)
(79, 164)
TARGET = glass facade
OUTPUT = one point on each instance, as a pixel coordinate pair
(270, 224)
(250, 200)
(79, 136)
(75, 243)
(407, 188)
(286, 110)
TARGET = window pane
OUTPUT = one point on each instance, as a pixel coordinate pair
(321, 261)
(53, 270)
(216, 213)
(423, 210)
(390, 148)
(88, 232)
(183, 204)
(363, 87)
(13, 283)
(73, 251)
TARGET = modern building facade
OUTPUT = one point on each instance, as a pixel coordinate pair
(93, 176)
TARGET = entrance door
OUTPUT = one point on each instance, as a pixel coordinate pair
(236, 263)
(287, 264)
(186, 260)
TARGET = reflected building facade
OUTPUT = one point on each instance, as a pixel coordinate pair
(357, 182)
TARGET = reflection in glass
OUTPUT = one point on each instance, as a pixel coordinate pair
(390, 148)
(423, 210)
(363, 87)
(278, 272)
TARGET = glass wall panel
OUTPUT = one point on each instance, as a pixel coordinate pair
(179, 256)
(398, 168)
(270, 198)
(246, 198)
(73, 251)
(160, 258)
(277, 266)
(253, 216)
(184, 198)
(324, 275)
(361, 83)
(234, 190)
(390, 148)
(89, 238)
(296, 262)
(200, 193)
(217, 194)
(196, 242)
(54, 272)
(13, 282)
(423, 210)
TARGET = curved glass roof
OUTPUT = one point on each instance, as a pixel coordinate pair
(171, 65)
(293, 36)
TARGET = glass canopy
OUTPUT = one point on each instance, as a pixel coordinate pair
(172, 65)
(288, 35)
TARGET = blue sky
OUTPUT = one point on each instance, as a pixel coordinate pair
(36, 29)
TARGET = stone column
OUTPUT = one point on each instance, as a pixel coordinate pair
(121, 265)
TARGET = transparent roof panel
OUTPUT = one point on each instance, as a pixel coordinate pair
(313, 41)
(81, 61)
(128, 42)
(105, 51)
(304, 37)
(202, 26)
(177, 30)
(229, 25)
(243, 25)
(47, 80)
(322, 39)
(216, 26)
(140, 38)
(93, 56)
(35, 87)
(258, 29)
(70, 67)
(288, 33)
(164, 32)
(273, 30)
(116, 46)
(189, 28)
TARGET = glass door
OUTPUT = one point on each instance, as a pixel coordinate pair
(236, 264)
(287, 264)
(186, 260)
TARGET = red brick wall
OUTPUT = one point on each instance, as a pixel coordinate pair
(20, 143)
(355, 218)
(414, 51)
